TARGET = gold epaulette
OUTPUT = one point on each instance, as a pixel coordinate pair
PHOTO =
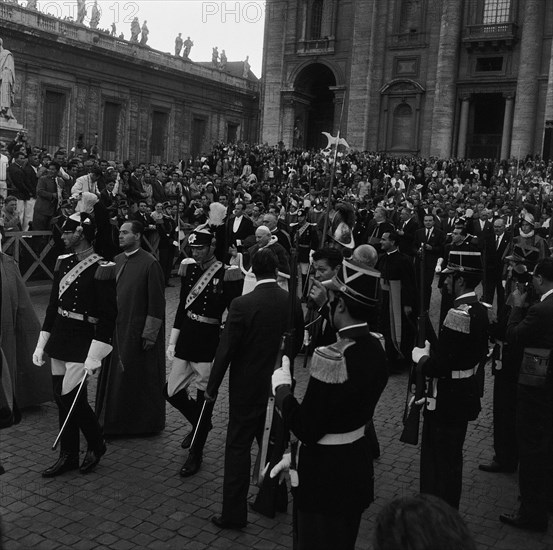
(105, 271)
(458, 319)
(329, 363)
(233, 273)
(60, 258)
(184, 265)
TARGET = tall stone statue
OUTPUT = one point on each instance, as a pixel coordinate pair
(7, 83)
(145, 32)
(178, 44)
(223, 62)
(247, 66)
(187, 47)
(215, 57)
(81, 11)
(113, 31)
(135, 30)
(95, 16)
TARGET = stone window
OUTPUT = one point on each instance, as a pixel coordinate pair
(316, 19)
(199, 127)
(232, 132)
(496, 11)
(53, 113)
(159, 135)
(410, 19)
(110, 127)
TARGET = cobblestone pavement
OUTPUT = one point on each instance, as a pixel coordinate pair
(135, 499)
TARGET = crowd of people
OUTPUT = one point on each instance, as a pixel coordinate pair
(362, 239)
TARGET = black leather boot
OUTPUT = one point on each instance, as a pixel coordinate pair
(187, 407)
(92, 458)
(65, 463)
(192, 464)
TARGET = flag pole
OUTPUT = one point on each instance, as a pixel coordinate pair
(332, 175)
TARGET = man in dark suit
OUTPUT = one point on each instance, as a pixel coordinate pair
(239, 227)
(249, 344)
(150, 230)
(532, 329)
(46, 203)
(454, 397)
(433, 241)
(448, 222)
(406, 230)
(481, 228)
(497, 248)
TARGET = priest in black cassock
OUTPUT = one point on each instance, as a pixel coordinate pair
(130, 398)
(397, 312)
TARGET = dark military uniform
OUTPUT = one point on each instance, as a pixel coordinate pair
(308, 239)
(85, 311)
(462, 345)
(452, 248)
(199, 323)
(336, 480)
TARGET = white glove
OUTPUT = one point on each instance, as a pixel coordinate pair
(282, 376)
(43, 337)
(418, 353)
(170, 353)
(439, 265)
(98, 350)
(282, 467)
(175, 332)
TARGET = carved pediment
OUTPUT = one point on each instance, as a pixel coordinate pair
(402, 87)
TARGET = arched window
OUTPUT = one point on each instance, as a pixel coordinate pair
(316, 19)
(402, 127)
(496, 11)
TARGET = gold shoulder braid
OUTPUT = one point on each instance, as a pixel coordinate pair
(458, 320)
(59, 259)
(329, 364)
(184, 264)
(105, 271)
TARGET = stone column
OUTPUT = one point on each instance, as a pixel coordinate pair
(443, 113)
(549, 97)
(288, 114)
(526, 104)
(507, 126)
(463, 126)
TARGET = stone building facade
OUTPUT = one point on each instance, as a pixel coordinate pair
(465, 78)
(132, 101)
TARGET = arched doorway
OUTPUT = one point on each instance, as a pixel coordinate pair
(316, 114)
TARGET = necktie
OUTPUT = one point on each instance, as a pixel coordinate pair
(497, 243)
(427, 235)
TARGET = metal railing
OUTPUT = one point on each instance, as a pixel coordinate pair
(33, 251)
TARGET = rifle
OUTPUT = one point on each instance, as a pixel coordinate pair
(416, 382)
(272, 495)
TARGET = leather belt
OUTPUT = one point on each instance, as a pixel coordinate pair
(342, 439)
(202, 319)
(78, 316)
(463, 373)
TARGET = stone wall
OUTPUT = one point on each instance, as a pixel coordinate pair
(91, 68)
